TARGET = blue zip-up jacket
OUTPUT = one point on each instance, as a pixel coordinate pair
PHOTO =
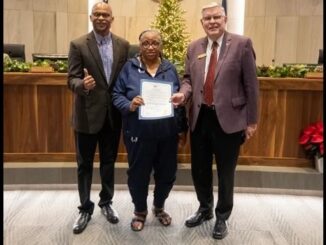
(127, 87)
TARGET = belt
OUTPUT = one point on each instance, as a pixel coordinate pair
(208, 107)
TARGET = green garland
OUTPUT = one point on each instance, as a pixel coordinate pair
(12, 65)
(293, 70)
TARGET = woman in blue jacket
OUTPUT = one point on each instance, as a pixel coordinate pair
(151, 145)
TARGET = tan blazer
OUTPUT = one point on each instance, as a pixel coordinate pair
(235, 91)
(89, 110)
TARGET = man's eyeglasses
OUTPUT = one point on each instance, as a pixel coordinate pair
(98, 15)
(215, 18)
(147, 44)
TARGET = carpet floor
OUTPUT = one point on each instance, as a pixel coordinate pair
(46, 217)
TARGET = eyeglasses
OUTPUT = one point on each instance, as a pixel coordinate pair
(215, 18)
(98, 15)
(148, 44)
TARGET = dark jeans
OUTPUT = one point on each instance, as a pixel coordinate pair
(108, 143)
(209, 139)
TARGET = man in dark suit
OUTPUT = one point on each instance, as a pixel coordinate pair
(95, 61)
(223, 112)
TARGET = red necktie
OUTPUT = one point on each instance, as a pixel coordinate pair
(208, 86)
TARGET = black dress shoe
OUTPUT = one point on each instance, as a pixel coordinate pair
(198, 218)
(220, 229)
(110, 214)
(81, 222)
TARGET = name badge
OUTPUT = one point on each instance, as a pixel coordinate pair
(201, 56)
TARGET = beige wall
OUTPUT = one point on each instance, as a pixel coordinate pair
(288, 31)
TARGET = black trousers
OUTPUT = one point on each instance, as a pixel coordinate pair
(145, 156)
(108, 143)
(208, 140)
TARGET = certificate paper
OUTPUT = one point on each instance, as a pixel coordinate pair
(156, 95)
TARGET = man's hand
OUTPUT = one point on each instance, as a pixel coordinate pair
(177, 99)
(250, 130)
(89, 82)
(136, 102)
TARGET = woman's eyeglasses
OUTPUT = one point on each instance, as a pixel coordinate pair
(147, 44)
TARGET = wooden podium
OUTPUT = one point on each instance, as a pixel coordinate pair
(37, 111)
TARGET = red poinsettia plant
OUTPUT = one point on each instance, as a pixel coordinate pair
(312, 140)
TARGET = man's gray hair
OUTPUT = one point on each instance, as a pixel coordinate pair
(213, 5)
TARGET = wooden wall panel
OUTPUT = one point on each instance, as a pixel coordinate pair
(17, 22)
(280, 122)
(255, 8)
(310, 38)
(62, 5)
(62, 33)
(280, 7)
(286, 28)
(44, 23)
(78, 6)
(18, 4)
(54, 106)
(45, 5)
(250, 27)
(286, 40)
(118, 27)
(37, 111)
(262, 143)
(77, 26)
(311, 8)
(294, 102)
(20, 114)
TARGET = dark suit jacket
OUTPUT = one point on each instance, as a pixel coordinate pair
(236, 86)
(90, 109)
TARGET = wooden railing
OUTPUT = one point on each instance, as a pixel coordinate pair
(37, 111)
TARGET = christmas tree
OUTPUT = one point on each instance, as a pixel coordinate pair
(170, 23)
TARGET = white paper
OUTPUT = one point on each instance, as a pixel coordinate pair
(156, 96)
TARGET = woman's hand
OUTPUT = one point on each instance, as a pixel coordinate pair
(136, 102)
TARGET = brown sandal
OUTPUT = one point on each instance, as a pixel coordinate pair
(138, 221)
(162, 216)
